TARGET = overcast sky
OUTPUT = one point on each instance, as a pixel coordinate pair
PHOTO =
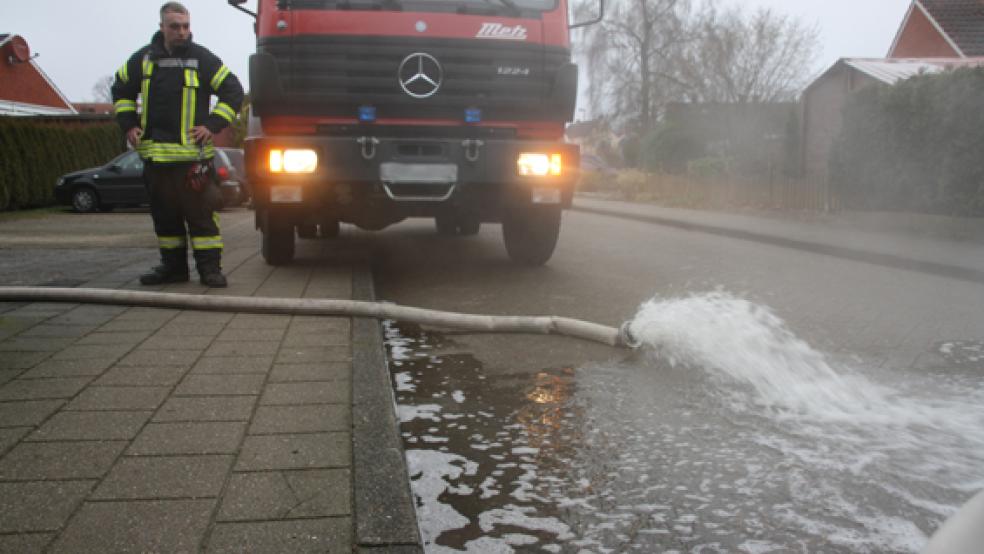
(81, 41)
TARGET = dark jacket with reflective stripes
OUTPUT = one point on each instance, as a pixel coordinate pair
(175, 89)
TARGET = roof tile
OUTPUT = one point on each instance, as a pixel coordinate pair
(963, 22)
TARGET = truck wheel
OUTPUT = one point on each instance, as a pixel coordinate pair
(446, 225)
(469, 225)
(530, 233)
(307, 231)
(278, 242)
(330, 229)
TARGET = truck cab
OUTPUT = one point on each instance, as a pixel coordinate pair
(369, 112)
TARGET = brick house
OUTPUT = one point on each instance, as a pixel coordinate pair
(934, 36)
(25, 90)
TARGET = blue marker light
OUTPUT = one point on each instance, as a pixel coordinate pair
(367, 114)
(473, 115)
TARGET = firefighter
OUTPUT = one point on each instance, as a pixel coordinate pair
(175, 79)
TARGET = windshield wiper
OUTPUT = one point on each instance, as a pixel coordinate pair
(512, 6)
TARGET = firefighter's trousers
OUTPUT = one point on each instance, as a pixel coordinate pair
(180, 212)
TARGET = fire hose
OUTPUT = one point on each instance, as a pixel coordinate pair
(477, 323)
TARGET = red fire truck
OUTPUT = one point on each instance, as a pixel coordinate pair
(372, 111)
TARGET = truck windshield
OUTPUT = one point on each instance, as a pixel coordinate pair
(496, 7)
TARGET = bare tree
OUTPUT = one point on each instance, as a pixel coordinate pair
(101, 90)
(630, 56)
(745, 58)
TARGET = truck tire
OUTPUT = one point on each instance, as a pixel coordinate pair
(278, 242)
(530, 233)
(469, 225)
(446, 225)
(330, 229)
(307, 231)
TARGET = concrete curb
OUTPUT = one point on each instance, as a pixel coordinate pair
(385, 520)
(859, 255)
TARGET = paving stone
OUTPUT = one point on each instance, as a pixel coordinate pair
(332, 371)
(87, 351)
(10, 435)
(142, 376)
(21, 360)
(59, 331)
(250, 335)
(206, 408)
(7, 375)
(40, 461)
(119, 398)
(223, 365)
(184, 330)
(287, 495)
(322, 392)
(34, 344)
(313, 354)
(309, 451)
(259, 321)
(132, 338)
(80, 318)
(311, 324)
(39, 506)
(27, 413)
(165, 477)
(171, 342)
(298, 536)
(218, 385)
(306, 341)
(254, 348)
(69, 368)
(91, 426)
(301, 419)
(158, 358)
(188, 438)
(192, 319)
(148, 314)
(137, 526)
(25, 543)
(41, 389)
(131, 325)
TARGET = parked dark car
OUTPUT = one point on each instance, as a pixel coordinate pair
(238, 187)
(120, 183)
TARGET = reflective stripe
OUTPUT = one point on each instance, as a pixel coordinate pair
(206, 243)
(123, 74)
(225, 111)
(124, 105)
(172, 243)
(219, 77)
(189, 98)
(215, 219)
(148, 70)
(170, 152)
(183, 63)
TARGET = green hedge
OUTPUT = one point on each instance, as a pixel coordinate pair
(917, 146)
(33, 155)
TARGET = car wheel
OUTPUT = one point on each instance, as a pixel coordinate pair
(530, 233)
(85, 200)
(278, 242)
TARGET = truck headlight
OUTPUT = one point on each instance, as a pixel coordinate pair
(293, 161)
(539, 164)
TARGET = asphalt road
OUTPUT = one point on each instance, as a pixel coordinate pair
(849, 427)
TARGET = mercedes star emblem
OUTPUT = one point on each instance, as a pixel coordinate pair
(420, 75)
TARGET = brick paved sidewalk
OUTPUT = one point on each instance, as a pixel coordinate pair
(140, 429)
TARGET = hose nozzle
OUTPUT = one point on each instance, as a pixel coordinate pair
(626, 338)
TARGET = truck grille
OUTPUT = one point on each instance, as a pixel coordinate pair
(336, 75)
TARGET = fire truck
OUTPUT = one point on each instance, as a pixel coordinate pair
(369, 112)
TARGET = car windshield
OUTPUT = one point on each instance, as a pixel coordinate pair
(235, 158)
(482, 6)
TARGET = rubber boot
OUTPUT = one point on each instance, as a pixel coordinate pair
(173, 269)
(210, 268)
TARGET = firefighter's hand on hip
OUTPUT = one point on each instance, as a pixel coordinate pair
(134, 135)
(201, 134)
